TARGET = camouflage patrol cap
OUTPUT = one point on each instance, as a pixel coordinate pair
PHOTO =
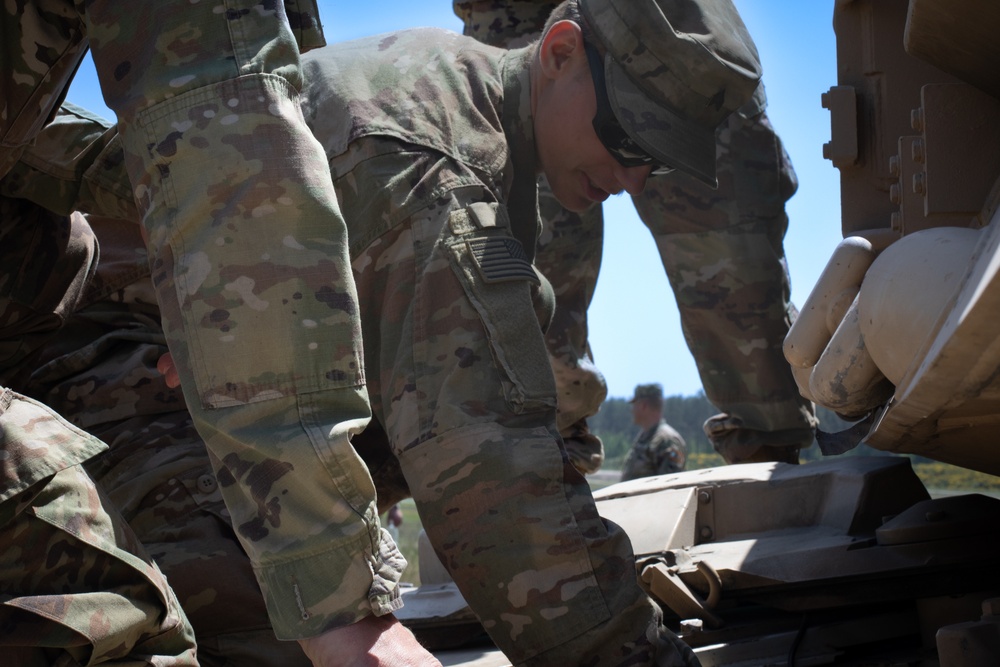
(675, 70)
(652, 392)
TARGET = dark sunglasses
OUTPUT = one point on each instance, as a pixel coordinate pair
(609, 130)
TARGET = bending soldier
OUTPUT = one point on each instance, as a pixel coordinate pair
(436, 171)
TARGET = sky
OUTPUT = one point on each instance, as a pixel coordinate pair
(635, 330)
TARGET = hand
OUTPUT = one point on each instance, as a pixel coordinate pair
(165, 364)
(374, 641)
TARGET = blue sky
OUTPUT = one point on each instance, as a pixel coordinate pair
(635, 330)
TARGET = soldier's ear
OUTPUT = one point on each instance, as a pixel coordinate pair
(560, 48)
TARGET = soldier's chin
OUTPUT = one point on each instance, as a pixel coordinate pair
(573, 201)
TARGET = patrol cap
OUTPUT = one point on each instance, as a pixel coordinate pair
(675, 70)
(653, 392)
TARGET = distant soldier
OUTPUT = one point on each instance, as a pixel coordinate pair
(658, 449)
(722, 251)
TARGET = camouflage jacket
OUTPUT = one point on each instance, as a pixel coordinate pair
(657, 450)
(434, 168)
(471, 103)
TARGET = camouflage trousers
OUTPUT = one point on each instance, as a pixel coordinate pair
(99, 370)
(76, 585)
(723, 255)
(95, 365)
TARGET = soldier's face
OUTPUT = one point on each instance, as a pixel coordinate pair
(579, 168)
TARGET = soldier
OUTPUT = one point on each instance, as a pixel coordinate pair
(722, 251)
(658, 449)
(436, 171)
(97, 368)
(77, 586)
(216, 150)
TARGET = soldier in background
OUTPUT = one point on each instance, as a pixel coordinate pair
(722, 252)
(658, 449)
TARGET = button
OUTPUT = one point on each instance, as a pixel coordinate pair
(207, 483)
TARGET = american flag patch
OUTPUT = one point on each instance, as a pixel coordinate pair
(500, 259)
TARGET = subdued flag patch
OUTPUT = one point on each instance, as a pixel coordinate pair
(500, 259)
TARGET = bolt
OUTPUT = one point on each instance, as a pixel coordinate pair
(827, 151)
(920, 183)
(894, 166)
(704, 497)
(917, 119)
(917, 151)
(706, 532)
(894, 195)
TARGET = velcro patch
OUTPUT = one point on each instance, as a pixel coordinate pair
(501, 258)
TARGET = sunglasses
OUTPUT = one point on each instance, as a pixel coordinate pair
(609, 130)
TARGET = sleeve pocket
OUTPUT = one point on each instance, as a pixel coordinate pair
(497, 278)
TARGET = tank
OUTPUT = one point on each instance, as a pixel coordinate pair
(849, 560)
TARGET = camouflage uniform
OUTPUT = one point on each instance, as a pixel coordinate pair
(722, 251)
(435, 171)
(218, 154)
(657, 450)
(98, 370)
(76, 585)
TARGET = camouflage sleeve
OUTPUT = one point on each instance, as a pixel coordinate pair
(36, 75)
(249, 258)
(74, 164)
(722, 251)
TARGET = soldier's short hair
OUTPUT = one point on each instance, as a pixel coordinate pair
(652, 393)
